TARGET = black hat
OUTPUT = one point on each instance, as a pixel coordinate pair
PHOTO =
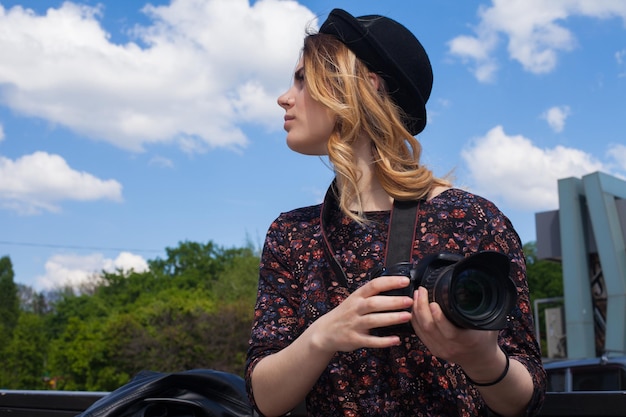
(392, 51)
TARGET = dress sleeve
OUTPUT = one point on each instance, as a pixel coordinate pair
(518, 339)
(275, 323)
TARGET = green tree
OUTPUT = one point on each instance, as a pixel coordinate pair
(9, 298)
(192, 260)
(122, 291)
(32, 301)
(9, 314)
(183, 332)
(545, 278)
(239, 279)
(193, 309)
(77, 355)
(25, 354)
(545, 281)
(67, 306)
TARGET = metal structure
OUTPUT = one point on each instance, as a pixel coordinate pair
(18, 403)
(587, 236)
(70, 403)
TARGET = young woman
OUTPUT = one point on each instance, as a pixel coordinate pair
(359, 96)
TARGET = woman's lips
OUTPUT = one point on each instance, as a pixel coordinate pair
(288, 118)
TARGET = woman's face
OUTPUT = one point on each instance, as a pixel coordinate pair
(307, 122)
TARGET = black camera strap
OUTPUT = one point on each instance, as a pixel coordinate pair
(400, 238)
(402, 228)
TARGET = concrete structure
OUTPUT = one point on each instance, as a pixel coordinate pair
(587, 234)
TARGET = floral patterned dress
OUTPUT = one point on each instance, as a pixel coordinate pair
(297, 286)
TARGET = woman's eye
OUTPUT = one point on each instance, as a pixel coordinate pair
(299, 76)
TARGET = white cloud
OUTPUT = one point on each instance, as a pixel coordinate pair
(477, 50)
(38, 181)
(556, 116)
(617, 152)
(75, 270)
(190, 76)
(1, 133)
(534, 29)
(520, 173)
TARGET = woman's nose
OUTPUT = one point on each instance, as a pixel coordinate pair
(284, 100)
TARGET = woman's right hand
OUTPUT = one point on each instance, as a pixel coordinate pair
(280, 381)
(348, 326)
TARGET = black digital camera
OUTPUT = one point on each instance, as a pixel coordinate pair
(474, 292)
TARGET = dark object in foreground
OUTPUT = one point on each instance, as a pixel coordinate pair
(198, 393)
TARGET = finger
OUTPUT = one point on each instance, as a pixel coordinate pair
(379, 342)
(421, 309)
(441, 322)
(382, 284)
(436, 313)
(379, 303)
(376, 320)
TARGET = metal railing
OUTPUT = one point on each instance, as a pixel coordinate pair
(71, 403)
(16, 403)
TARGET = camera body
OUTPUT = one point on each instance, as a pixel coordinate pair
(474, 292)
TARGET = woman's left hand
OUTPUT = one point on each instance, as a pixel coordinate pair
(467, 347)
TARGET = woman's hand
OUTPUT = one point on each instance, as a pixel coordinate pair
(280, 381)
(472, 349)
(478, 354)
(347, 327)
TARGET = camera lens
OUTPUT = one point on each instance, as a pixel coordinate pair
(473, 293)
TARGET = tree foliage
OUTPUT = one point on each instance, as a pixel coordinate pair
(192, 309)
(545, 278)
(545, 281)
(9, 313)
(9, 298)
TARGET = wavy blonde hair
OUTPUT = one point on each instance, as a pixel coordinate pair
(335, 77)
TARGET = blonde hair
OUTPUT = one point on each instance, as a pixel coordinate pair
(340, 81)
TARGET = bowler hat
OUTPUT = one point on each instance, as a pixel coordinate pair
(392, 51)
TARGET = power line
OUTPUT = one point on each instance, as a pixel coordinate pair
(76, 247)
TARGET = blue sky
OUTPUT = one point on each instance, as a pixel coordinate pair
(128, 127)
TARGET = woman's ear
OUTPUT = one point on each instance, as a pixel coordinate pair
(374, 79)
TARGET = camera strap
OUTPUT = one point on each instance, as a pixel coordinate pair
(400, 237)
(402, 227)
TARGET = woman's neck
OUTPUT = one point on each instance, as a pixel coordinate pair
(373, 195)
(375, 199)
